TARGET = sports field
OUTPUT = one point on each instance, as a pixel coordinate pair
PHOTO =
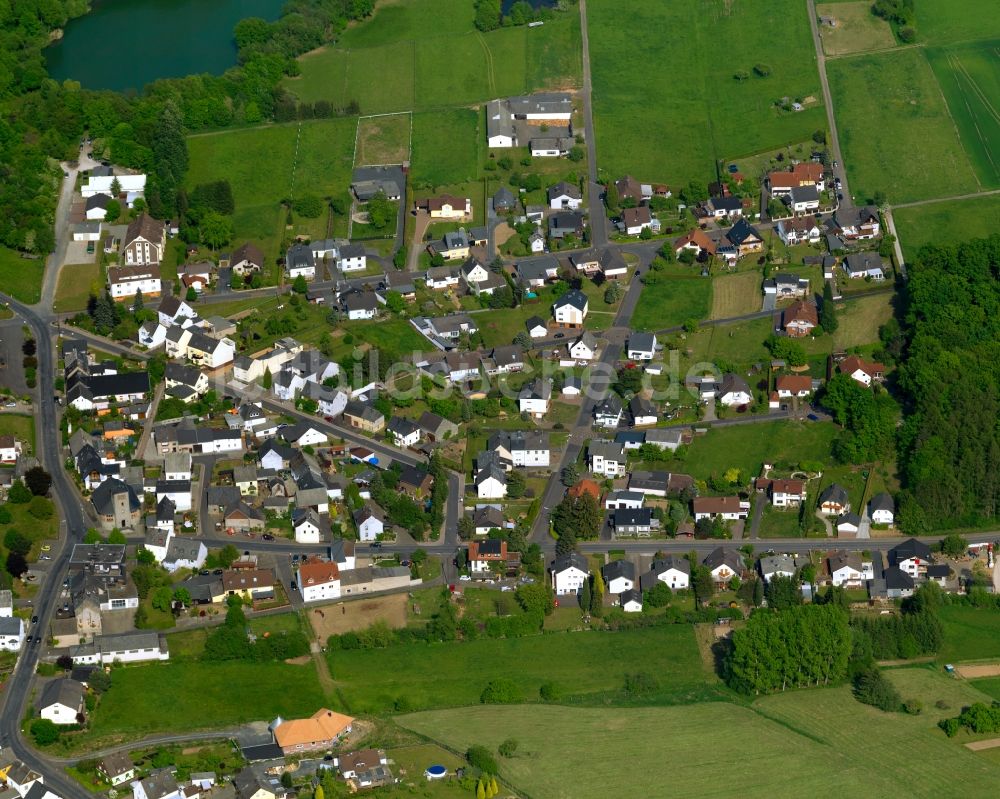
(268, 164)
(383, 140)
(666, 102)
(407, 58)
(969, 76)
(857, 30)
(891, 117)
(946, 223)
(818, 743)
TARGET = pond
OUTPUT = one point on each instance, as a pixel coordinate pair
(125, 44)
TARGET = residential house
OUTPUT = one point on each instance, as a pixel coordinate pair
(860, 370)
(607, 458)
(623, 499)
(772, 566)
(848, 525)
(370, 522)
(726, 207)
(724, 508)
(564, 196)
(786, 286)
(309, 527)
(787, 493)
(868, 265)
(61, 701)
(363, 416)
(415, 482)
(484, 553)
(634, 522)
(833, 500)
(938, 573)
(912, 557)
(199, 348)
(401, 282)
(242, 518)
(504, 201)
(352, 258)
(898, 584)
(437, 428)
(10, 449)
(449, 328)
(404, 432)
(848, 570)
(184, 382)
(642, 346)
(802, 200)
(745, 238)
(479, 279)
(366, 768)
(697, 241)
(570, 310)
(116, 768)
(583, 348)
(125, 281)
(158, 785)
(491, 483)
(446, 207)
(360, 304)
(197, 276)
(320, 731)
(566, 223)
(442, 277)
(673, 570)
(11, 633)
(536, 272)
(246, 259)
(504, 360)
(734, 391)
(534, 397)
(303, 434)
(536, 242)
(636, 220)
(631, 601)
(453, 245)
(568, 573)
(318, 580)
(628, 188)
(608, 411)
(805, 174)
(855, 224)
(882, 509)
(644, 414)
(300, 262)
(800, 319)
(789, 386)
(724, 564)
(799, 230)
(96, 207)
(619, 576)
(486, 518)
(144, 242)
(367, 181)
(520, 448)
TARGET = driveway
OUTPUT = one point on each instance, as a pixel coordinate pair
(420, 226)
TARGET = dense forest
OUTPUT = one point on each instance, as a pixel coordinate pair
(42, 121)
(948, 382)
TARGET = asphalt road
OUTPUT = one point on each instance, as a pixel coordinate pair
(598, 219)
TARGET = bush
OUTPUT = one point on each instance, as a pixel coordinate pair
(549, 692)
(872, 688)
(639, 684)
(508, 747)
(44, 732)
(913, 706)
(501, 691)
(41, 508)
(481, 758)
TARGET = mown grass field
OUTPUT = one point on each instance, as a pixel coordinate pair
(263, 169)
(76, 283)
(670, 301)
(733, 295)
(858, 322)
(969, 77)
(666, 102)
(946, 223)
(395, 61)
(857, 30)
(193, 695)
(587, 666)
(891, 115)
(969, 634)
(21, 278)
(819, 743)
(945, 21)
(383, 140)
(447, 147)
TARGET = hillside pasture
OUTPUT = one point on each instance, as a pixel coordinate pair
(948, 222)
(689, 109)
(895, 129)
(969, 77)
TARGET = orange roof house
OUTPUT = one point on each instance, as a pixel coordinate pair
(585, 486)
(320, 731)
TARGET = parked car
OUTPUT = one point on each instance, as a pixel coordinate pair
(267, 537)
(465, 578)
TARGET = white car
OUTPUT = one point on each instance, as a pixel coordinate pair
(507, 588)
(465, 578)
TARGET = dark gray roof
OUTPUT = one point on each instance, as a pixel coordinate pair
(619, 568)
(103, 494)
(742, 231)
(573, 297)
(646, 342)
(882, 501)
(632, 517)
(63, 691)
(662, 565)
(834, 493)
(563, 562)
(722, 556)
(910, 548)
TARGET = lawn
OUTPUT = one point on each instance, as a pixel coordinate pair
(447, 147)
(946, 223)
(264, 166)
(383, 140)
(711, 114)
(969, 634)
(569, 752)
(21, 278)
(76, 283)
(969, 77)
(858, 29)
(734, 295)
(21, 427)
(858, 322)
(591, 668)
(931, 683)
(670, 301)
(746, 447)
(191, 695)
(891, 115)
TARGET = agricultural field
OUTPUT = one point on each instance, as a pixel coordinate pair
(945, 21)
(969, 76)
(969, 634)
(858, 30)
(592, 666)
(712, 115)
(157, 698)
(734, 295)
(263, 169)
(76, 283)
(891, 116)
(21, 277)
(946, 223)
(393, 62)
(670, 301)
(383, 140)
(569, 751)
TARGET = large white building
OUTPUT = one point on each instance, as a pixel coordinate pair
(318, 580)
